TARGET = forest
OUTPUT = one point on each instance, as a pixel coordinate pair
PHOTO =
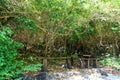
(31, 29)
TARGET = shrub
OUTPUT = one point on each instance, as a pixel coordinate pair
(9, 65)
(109, 60)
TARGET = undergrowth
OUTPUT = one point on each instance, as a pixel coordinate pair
(110, 60)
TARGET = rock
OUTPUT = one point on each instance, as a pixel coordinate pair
(83, 74)
(68, 62)
(113, 77)
(85, 77)
(64, 66)
(43, 69)
(103, 73)
(28, 77)
(22, 77)
(44, 76)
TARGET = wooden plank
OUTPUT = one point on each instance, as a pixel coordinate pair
(44, 67)
(54, 58)
(89, 58)
(45, 64)
(94, 64)
(4, 17)
(88, 63)
(86, 55)
(81, 63)
(68, 62)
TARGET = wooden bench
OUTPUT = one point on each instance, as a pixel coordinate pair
(87, 60)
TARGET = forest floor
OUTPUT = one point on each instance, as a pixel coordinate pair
(88, 74)
(104, 73)
(60, 73)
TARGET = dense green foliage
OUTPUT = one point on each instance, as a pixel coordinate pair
(56, 28)
(109, 60)
(11, 63)
(88, 24)
(9, 66)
